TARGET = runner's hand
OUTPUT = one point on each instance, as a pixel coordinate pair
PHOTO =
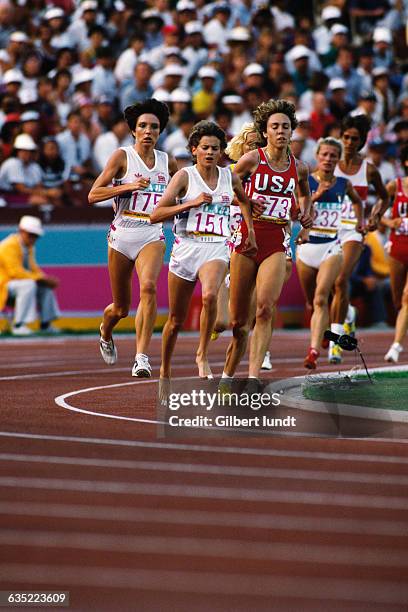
(257, 207)
(203, 198)
(302, 237)
(361, 228)
(373, 222)
(140, 184)
(395, 223)
(250, 246)
(306, 220)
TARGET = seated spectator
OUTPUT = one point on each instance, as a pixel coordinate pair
(8, 133)
(54, 170)
(344, 69)
(338, 105)
(204, 99)
(320, 117)
(179, 138)
(21, 177)
(128, 59)
(31, 125)
(22, 279)
(140, 88)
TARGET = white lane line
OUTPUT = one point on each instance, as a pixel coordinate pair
(229, 450)
(215, 470)
(207, 583)
(276, 522)
(205, 492)
(220, 548)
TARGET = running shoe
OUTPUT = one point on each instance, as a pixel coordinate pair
(310, 361)
(267, 364)
(108, 349)
(141, 367)
(335, 353)
(350, 323)
(393, 354)
(21, 330)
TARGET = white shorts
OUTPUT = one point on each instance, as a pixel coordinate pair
(313, 254)
(188, 256)
(350, 235)
(130, 243)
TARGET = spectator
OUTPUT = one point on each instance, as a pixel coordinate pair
(385, 98)
(22, 279)
(31, 125)
(128, 59)
(152, 23)
(140, 89)
(339, 38)
(383, 54)
(343, 69)
(7, 27)
(108, 142)
(235, 105)
(78, 31)
(21, 176)
(104, 81)
(8, 133)
(54, 170)
(322, 35)
(195, 51)
(320, 116)
(179, 138)
(204, 99)
(215, 31)
(76, 150)
(55, 17)
(365, 284)
(61, 94)
(338, 105)
(171, 40)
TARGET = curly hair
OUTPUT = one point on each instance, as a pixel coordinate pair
(235, 146)
(262, 113)
(206, 128)
(403, 156)
(359, 122)
(332, 142)
(150, 106)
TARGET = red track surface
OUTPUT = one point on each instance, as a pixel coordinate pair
(125, 520)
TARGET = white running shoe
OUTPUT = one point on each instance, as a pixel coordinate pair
(335, 353)
(393, 354)
(267, 364)
(108, 349)
(141, 367)
(21, 330)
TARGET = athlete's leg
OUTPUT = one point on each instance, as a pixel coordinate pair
(120, 273)
(222, 318)
(351, 254)
(269, 283)
(211, 275)
(148, 265)
(399, 287)
(326, 276)
(180, 292)
(243, 275)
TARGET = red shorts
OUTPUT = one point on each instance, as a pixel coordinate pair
(270, 238)
(399, 249)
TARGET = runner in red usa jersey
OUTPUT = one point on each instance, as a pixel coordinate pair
(398, 191)
(272, 176)
(136, 178)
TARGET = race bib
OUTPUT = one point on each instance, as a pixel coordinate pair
(277, 208)
(402, 230)
(143, 203)
(327, 218)
(209, 223)
(235, 218)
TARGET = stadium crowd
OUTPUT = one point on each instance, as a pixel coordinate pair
(68, 69)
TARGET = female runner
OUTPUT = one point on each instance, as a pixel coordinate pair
(319, 256)
(136, 176)
(200, 198)
(274, 175)
(398, 191)
(361, 173)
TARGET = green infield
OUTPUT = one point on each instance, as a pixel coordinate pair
(388, 390)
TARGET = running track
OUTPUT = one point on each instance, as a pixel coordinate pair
(124, 520)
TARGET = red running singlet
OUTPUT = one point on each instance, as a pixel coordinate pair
(276, 189)
(399, 236)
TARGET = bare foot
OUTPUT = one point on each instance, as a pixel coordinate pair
(164, 391)
(204, 370)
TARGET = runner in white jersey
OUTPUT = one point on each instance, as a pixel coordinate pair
(200, 198)
(352, 166)
(136, 178)
(319, 254)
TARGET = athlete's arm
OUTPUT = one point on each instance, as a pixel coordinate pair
(357, 206)
(168, 207)
(391, 188)
(102, 189)
(305, 198)
(374, 178)
(245, 206)
(247, 164)
(172, 166)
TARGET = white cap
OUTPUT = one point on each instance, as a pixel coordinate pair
(54, 13)
(180, 95)
(19, 37)
(82, 76)
(30, 116)
(302, 116)
(12, 76)
(297, 52)
(379, 71)
(239, 34)
(330, 12)
(4, 56)
(231, 99)
(172, 51)
(119, 6)
(88, 5)
(337, 83)
(27, 96)
(338, 28)
(162, 95)
(382, 35)
(25, 142)
(32, 225)
(253, 68)
(174, 70)
(193, 27)
(206, 72)
(185, 5)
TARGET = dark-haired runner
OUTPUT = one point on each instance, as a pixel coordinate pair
(273, 175)
(199, 197)
(136, 177)
(361, 174)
